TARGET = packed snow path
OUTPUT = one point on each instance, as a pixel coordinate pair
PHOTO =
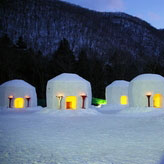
(34, 138)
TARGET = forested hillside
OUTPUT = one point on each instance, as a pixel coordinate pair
(42, 24)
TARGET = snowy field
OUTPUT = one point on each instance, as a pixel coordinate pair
(77, 137)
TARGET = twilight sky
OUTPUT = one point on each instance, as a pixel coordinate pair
(151, 11)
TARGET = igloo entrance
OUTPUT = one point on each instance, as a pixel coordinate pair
(71, 102)
(19, 102)
(157, 101)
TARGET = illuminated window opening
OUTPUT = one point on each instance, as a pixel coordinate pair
(157, 101)
(71, 102)
(124, 100)
(19, 103)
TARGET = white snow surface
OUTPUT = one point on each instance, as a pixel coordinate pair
(149, 77)
(16, 83)
(119, 83)
(70, 113)
(68, 77)
(8, 110)
(45, 137)
(112, 108)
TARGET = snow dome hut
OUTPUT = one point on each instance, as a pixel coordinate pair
(146, 90)
(17, 94)
(68, 91)
(117, 92)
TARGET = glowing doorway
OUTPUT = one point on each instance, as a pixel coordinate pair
(157, 101)
(124, 100)
(19, 103)
(71, 102)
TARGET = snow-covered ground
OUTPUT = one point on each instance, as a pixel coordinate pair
(81, 137)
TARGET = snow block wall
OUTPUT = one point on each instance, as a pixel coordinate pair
(144, 86)
(68, 91)
(17, 94)
(117, 92)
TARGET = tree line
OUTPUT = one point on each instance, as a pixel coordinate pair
(19, 62)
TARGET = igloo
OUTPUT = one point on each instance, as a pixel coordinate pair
(68, 91)
(146, 90)
(117, 92)
(17, 94)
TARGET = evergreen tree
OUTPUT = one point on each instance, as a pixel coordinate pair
(21, 44)
(41, 73)
(83, 64)
(5, 42)
(63, 58)
(96, 76)
(8, 59)
(107, 72)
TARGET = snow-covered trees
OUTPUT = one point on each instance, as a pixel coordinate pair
(63, 58)
(44, 23)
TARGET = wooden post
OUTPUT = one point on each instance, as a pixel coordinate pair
(83, 101)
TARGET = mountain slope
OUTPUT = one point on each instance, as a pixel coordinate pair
(43, 24)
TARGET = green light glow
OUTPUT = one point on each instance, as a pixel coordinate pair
(97, 101)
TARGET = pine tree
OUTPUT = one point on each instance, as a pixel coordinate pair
(96, 76)
(83, 64)
(5, 42)
(21, 44)
(63, 59)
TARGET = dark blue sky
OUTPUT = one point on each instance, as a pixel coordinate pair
(151, 11)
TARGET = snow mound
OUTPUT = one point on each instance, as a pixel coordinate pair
(6, 110)
(16, 83)
(139, 109)
(111, 108)
(143, 111)
(70, 113)
(121, 110)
